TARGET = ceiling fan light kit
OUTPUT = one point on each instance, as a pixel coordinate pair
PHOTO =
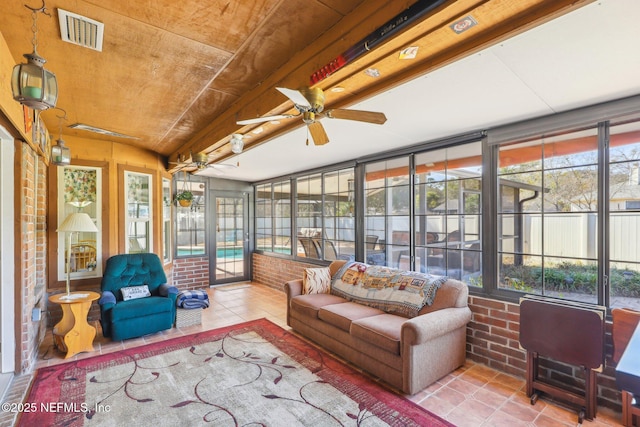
(237, 144)
(200, 161)
(310, 104)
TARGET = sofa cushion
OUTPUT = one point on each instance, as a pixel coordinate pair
(141, 307)
(308, 305)
(316, 280)
(382, 331)
(341, 315)
(392, 290)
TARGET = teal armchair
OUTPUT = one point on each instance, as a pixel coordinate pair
(156, 311)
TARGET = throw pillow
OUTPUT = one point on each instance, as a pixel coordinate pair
(135, 292)
(316, 281)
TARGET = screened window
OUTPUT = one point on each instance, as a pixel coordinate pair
(557, 214)
(190, 221)
(624, 215)
(387, 208)
(448, 216)
(138, 213)
(273, 217)
(324, 216)
(548, 216)
(166, 220)
(338, 240)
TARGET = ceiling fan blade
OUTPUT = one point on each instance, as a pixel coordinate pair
(295, 96)
(358, 115)
(222, 166)
(318, 133)
(265, 119)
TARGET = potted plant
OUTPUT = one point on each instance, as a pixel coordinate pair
(184, 198)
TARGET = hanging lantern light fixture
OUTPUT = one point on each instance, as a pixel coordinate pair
(33, 85)
(60, 153)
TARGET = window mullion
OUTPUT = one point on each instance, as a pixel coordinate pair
(604, 282)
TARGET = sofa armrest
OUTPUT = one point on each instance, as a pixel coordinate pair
(293, 288)
(166, 289)
(424, 328)
(107, 300)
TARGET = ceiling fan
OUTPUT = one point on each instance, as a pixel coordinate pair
(310, 105)
(200, 162)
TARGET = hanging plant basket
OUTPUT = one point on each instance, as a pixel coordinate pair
(184, 197)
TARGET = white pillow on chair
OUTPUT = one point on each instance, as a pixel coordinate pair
(135, 292)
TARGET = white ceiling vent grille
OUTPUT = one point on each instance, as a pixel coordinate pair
(81, 30)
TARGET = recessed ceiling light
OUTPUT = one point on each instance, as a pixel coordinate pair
(275, 122)
(372, 72)
(258, 130)
(337, 89)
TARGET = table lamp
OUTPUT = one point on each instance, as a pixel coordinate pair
(77, 222)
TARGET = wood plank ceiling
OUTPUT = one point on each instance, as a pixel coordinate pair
(177, 75)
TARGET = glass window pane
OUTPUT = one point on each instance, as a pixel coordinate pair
(190, 221)
(624, 219)
(138, 213)
(387, 209)
(548, 215)
(449, 192)
(166, 219)
(325, 215)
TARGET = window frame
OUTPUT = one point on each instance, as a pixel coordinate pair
(145, 220)
(192, 217)
(595, 116)
(54, 250)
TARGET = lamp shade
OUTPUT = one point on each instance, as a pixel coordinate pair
(79, 222)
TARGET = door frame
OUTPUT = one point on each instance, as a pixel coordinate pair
(215, 193)
(7, 254)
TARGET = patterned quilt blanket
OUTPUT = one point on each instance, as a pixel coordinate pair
(388, 289)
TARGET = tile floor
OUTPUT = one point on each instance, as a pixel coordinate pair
(474, 395)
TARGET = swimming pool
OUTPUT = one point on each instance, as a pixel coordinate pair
(231, 252)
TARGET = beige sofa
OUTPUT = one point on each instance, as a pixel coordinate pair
(407, 353)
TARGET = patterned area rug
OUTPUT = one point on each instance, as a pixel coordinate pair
(250, 374)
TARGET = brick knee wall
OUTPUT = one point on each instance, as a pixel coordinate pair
(492, 335)
(190, 273)
(273, 271)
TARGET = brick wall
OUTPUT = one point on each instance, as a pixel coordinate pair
(492, 335)
(190, 273)
(32, 255)
(273, 271)
(492, 339)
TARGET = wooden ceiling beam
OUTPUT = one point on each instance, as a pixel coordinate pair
(264, 99)
(439, 46)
